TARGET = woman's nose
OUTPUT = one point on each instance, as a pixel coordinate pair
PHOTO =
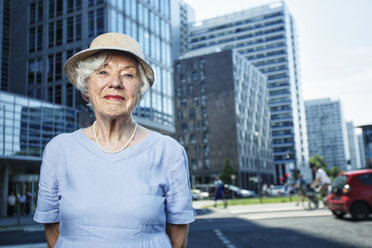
(115, 81)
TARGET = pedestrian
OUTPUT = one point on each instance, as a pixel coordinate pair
(22, 203)
(115, 183)
(301, 189)
(218, 193)
(12, 200)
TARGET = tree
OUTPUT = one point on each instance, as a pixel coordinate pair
(226, 172)
(319, 161)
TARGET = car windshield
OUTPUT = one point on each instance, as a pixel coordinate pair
(338, 184)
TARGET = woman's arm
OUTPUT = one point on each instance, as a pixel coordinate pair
(51, 233)
(178, 234)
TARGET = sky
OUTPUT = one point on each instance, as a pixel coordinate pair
(335, 47)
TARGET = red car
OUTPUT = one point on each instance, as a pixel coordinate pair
(352, 193)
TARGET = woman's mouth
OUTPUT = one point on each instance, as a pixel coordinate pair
(114, 97)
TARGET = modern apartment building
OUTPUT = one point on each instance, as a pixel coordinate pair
(355, 162)
(181, 15)
(367, 142)
(222, 111)
(26, 126)
(266, 36)
(326, 131)
(45, 33)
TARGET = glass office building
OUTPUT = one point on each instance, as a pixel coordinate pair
(57, 29)
(367, 144)
(266, 36)
(26, 126)
(326, 131)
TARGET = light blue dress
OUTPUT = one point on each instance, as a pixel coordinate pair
(114, 200)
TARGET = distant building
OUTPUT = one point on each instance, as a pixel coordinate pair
(222, 112)
(326, 132)
(367, 141)
(181, 15)
(353, 146)
(26, 126)
(267, 37)
(362, 151)
(43, 34)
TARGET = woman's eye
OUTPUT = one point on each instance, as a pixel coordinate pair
(102, 73)
(128, 75)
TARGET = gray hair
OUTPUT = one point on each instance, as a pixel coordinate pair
(89, 66)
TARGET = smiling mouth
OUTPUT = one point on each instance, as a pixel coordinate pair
(114, 98)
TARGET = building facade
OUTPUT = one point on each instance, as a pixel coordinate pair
(222, 112)
(362, 151)
(56, 29)
(26, 126)
(367, 142)
(266, 36)
(326, 132)
(181, 15)
(355, 161)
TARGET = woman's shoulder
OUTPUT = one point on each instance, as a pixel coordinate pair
(166, 142)
(61, 140)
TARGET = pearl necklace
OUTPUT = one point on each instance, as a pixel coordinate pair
(119, 150)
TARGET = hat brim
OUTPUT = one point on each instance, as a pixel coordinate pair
(72, 62)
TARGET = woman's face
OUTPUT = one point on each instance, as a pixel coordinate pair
(114, 89)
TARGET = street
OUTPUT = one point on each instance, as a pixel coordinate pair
(249, 226)
(271, 226)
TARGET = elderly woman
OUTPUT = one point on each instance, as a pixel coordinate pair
(115, 183)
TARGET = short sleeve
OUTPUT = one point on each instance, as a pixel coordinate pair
(178, 201)
(47, 210)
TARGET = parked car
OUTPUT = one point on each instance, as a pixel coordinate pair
(277, 190)
(352, 193)
(241, 193)
(197, 194)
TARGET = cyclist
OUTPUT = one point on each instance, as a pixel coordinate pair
(323, 180)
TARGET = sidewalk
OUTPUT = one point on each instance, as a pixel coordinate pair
(26, 224)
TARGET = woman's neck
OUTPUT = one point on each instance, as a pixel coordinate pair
(114, 131)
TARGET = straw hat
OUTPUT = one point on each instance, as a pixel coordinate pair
(109, 41)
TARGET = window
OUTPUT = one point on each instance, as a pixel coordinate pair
(203, 87)
(197, 151)
(31, 47)
(51, 8)
(207, 164)
(195, 76)
(191, 114)
(192, 139)
(205, 137)
(181, 140)
(51, 34)
(184, 127)
(178, 67)
(100, 21)
(191, 89)
(59, 7)
(204, 100)
(78, 27)
(39, 37)
(202, 63)
(58, 94)
(204, 113)
(40, 11)
(196, 101)
(32, 12)
(197, 126)
(91, 24)
(202, 75)
(70, 29)
(180, 115)
(184, 102)
(366, 178)
(58, 66)
(206, 151)
(205, 125)
(59, 32)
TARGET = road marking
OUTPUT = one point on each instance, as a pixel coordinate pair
(224, 240)
(291, 214)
